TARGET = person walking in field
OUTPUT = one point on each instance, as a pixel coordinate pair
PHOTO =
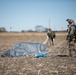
(50, 37)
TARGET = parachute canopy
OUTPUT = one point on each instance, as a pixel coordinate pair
(26, 48)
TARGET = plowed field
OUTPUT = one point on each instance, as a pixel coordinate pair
(57, 61)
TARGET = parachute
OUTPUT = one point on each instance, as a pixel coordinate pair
(26, 48)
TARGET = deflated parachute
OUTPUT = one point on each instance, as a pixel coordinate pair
(26, 48)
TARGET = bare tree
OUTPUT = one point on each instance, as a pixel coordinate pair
(2, 29)
(39, 28)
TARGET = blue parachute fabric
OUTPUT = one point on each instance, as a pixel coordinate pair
(26, 48)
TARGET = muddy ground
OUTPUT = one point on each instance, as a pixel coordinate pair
(57, 61)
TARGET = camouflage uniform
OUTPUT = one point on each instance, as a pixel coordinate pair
(50, 37)
(71, 30)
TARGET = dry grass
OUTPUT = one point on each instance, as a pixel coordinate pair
(51, 65)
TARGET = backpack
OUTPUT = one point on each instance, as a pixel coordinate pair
(51, 35)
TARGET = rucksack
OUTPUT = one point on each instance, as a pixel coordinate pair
(52, 34)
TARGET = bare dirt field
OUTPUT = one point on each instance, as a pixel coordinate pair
(53, 64)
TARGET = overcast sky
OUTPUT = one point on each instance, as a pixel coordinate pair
(26, 14)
